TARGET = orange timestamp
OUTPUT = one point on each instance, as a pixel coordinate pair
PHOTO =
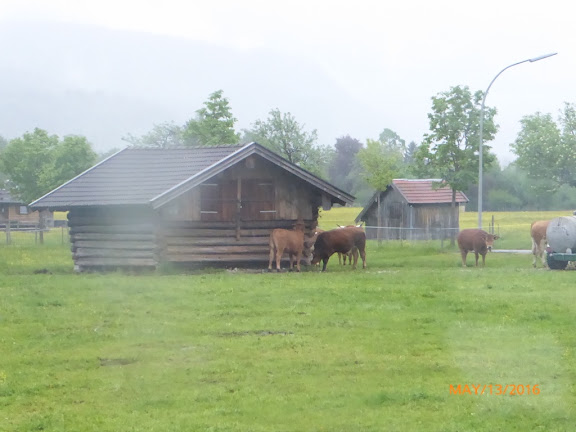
(495, 389)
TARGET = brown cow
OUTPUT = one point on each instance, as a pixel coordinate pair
(340, 240)
(538, 234)
(290, 241)
(350, 254)
(477, 241)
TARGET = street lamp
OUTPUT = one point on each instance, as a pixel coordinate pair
(531, 60)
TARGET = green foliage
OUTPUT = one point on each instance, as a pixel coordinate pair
(450, 150)
(344, 170)
(281, 133)
(163, 135)
(547, 150)
(381, 161)
(38, 162)
(213, 125)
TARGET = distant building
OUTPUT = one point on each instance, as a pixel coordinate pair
(18, 213)
(412, 209)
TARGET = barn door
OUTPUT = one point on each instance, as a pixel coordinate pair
(258, 200)
(218, 201)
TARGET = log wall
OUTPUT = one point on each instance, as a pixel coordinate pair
(220, 242)
(102, 239)
(108, 239)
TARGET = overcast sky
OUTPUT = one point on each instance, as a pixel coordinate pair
(390, 57)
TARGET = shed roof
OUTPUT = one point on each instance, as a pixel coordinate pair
(426, 191)
(6, 198)
(418, 191)
(146, 176)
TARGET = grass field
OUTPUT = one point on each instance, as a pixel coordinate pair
(218, 350)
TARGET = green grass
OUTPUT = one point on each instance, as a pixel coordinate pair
(364, 350)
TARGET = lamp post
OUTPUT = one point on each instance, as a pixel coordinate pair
(531, 60)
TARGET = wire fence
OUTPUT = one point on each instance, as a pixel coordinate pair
(29, 235)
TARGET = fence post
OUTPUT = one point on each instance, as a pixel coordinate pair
(8, 237)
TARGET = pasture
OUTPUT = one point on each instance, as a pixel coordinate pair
(234, 350)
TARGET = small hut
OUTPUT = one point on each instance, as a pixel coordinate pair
(200, 206)
(418, 209)
(16, 214)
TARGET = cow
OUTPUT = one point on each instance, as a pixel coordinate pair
(538, 234)
(340, 240)
(477, 241)
(289, 241)
(350, 254)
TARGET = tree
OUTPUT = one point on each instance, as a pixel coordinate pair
(71, 156)
(546, 150)
(38, 162)
(341, 167)
(410, 152)
(382, 160)
(213, 125)
(163, 135)
(281, 133)
(450, 150)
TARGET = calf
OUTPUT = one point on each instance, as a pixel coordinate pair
(477, 241)
(290, 241)
(538, 234)
(341, 240)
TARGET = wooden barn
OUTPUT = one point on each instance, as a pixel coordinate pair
(412, 209)
(202, 206)
(18, 213)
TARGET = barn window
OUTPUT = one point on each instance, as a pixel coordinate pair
(23, 210)
(210, 202)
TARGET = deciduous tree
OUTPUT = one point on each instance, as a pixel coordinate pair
(162, 135)
(281, 133)
(213, 125)
(38, 162)
(450, 150)
(546, 149)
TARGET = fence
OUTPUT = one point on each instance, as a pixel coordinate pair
(19, 234)
(415, 234)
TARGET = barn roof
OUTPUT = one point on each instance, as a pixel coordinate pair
(6, 198)
(426, 191)
(147, 176)
(417, 191)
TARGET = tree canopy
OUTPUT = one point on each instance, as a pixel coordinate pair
(162, 135)
(450, 150)
(281, 133)
(546, 149)
(38, 162)
(213, 125)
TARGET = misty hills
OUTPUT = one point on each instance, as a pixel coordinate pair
(104, 84)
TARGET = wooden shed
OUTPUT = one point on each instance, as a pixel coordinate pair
(203, 205)
(19, 214)
(418, 209)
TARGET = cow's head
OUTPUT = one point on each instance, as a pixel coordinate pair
(490, 241)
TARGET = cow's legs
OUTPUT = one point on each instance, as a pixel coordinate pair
(279, 254)
(476, 256)
(298, 257)
(272, 255)
(464, 253)
(542, 252)
(534, 252)
(484, 259)
(324, 263)
(362, 255)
